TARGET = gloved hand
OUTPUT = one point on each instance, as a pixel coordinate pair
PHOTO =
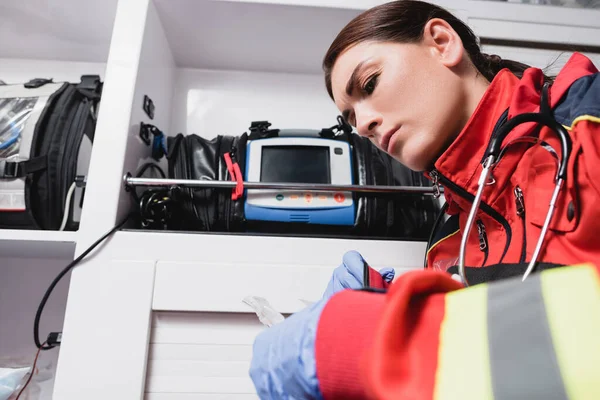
(283, 361)
(349, 275)
(283, 357)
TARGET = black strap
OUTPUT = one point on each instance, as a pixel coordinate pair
(496, 272)
(13, 170)
(90, 86)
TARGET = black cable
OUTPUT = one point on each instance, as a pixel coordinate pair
(145, 167)
(140, 172)
(38, 314)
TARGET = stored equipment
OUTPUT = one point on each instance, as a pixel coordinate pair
(296, 159)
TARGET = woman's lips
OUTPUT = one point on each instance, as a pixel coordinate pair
(386, 139)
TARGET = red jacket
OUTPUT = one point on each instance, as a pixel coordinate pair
(398, 344)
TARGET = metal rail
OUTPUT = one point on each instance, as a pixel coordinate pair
(131, 181)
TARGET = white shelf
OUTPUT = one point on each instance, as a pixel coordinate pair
(342, 4)
(67, 30)
(271, 36)
(541, 14)
(37, 244)
(267, 37)
(534, 23)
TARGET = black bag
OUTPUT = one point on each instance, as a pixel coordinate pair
(46, 135)
(194, 157)
(377, 215)
(390, 215)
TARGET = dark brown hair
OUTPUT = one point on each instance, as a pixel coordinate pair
(403, 22)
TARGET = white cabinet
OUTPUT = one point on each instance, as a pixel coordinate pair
(48, 39)
(160, 314)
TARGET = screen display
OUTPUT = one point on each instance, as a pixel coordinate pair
(295, 164)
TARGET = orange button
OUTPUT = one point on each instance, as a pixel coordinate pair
(308, 197)
(339, 197)
(322, 197)
(294, 197)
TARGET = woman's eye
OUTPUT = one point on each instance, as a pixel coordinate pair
(369, 87)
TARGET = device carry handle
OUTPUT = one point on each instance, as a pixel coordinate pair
(299, 133)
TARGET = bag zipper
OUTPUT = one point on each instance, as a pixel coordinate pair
(440, 179)
(70, 153)
(521, 214)
(483, 241)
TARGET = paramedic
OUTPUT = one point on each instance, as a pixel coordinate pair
(412, 78)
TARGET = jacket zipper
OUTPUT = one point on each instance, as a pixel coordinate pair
(440, 179)
(521, 214)
(483, 241)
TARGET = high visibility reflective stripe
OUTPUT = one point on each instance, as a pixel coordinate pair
(572, 298)
(522, 360)
(463, 359)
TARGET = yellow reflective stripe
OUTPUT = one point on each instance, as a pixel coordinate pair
(463, 370)
(441, 240)
(572, 299)
(585, 117)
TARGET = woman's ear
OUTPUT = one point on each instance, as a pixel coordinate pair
(443, 42)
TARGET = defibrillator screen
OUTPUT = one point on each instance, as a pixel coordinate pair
(295, 164)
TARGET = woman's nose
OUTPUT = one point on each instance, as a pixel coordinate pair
(367, 122)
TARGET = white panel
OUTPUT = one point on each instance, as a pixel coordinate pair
(196, 396)
(200, 286)
(550, 61)
(202, 352)
(139, 63)
(37, 244)
(196, 384)
(22, 284)
(209, 369)
(106, 331)
(266, 250)
(536, 32)
(201, 355)
(209, 103)
(574, 17)
(254, 37)
(71, 30)
(281, 36)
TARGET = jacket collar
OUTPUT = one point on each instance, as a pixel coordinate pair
(461, 162)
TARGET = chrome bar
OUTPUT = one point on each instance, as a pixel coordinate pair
(191, 183)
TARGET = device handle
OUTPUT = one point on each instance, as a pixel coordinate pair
(299, 133)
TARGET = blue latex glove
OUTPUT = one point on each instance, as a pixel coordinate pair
(349, 275)
(283, 361)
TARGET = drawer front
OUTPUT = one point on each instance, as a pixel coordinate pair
(197, 356)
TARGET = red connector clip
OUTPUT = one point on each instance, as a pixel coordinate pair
(236, 175)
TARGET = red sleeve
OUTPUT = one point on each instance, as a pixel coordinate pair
(405, 321)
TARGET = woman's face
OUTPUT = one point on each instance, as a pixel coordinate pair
(409, 99)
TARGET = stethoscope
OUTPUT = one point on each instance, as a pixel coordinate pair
(493, 155)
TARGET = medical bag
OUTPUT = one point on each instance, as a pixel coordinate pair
(46, 134)
(194, 157)
(212, 209)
